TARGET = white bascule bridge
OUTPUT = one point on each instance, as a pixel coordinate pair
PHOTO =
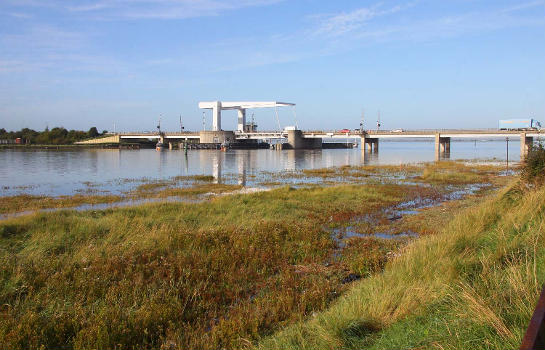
(240, 107)
(293, 138)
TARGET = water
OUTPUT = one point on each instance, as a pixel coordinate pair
(65, 172)
(411, 207)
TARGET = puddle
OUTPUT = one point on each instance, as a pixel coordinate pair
(508, 172)
(397, 212)
(134, 202)
(408, 234)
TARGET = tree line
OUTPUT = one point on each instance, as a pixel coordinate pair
(55, 136)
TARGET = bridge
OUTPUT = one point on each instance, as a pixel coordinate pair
(299, 139)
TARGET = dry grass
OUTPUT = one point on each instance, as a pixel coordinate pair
(25, 202)
(226, 272)
(473, 285)
(210, 275)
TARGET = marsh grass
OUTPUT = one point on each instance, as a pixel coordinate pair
(19, 203)
(439, 173)
(472, 285)
(457, 173)
(12, 204)
(202, 178)
(207, 275)
(217, 274)
(152, 186)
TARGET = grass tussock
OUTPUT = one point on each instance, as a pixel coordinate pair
(202, 178)
(448, 172)
(473, 285)
(217, 274)
(24, 202)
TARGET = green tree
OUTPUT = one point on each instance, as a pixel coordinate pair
(93, 132)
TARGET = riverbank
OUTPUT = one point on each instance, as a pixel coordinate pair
(474, 285)
(31, 147)
(223, 272)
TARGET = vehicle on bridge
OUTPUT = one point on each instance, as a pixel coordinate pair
(519, 124)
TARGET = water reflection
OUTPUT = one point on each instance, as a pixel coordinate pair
(65, 172)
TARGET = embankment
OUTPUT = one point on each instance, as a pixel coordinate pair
(473, 285)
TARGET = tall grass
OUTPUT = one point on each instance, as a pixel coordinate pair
(533, 170)
(473, 285)
(218, 274)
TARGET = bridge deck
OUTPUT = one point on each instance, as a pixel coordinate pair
(268, 135)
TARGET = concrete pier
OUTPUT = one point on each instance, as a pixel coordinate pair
(369, 144)
(526, 143)
(216, 137)
(296, 140)
(442, 146)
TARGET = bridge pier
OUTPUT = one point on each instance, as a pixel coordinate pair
(369, 144)
(241, 120)
(296, 140)
(442, 147)
(526, 142)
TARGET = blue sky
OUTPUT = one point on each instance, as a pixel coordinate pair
(423, 64)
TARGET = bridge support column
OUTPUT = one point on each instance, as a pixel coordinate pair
(368, 144)
(161, 139)
(216, 116)
(170, 145)
(241, 120)
(296, 140)
(526, 142)
(442, 147)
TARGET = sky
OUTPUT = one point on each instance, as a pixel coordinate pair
(124, 64)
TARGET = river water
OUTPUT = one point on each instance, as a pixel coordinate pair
(65, 172)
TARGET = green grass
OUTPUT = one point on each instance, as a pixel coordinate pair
(439, 173)
(229, 271)
(472, 285)
(457, 173)
(203, 178)
(24, 202)
(216, 274)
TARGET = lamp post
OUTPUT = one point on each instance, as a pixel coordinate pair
(507, 152)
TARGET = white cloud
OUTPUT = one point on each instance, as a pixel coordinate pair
(345, 22)
(145, 9)
(525, 6)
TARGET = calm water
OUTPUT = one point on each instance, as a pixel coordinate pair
(114, 171)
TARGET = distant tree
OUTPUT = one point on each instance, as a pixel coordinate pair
(93, 132)
(54, 136)
(104, 132)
